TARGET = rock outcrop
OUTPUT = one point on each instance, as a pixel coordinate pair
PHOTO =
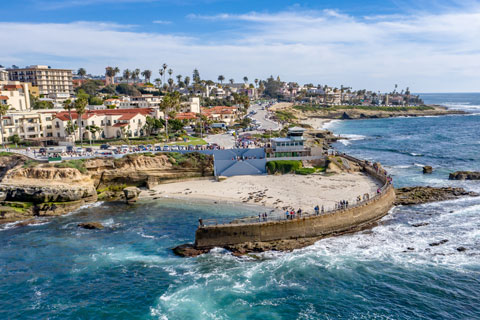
(131, 194)
(464, 175)
(419, 195)
(29, 188)
(427, 169)
(91, 225)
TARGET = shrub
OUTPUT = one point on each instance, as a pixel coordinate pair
(283, 166)
(305, 171)
(75, 164)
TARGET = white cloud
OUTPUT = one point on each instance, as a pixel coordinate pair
(162, 22)
(427, 52)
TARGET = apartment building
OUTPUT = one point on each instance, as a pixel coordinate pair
(33, 126)
(15, 94)
(113, 123)
(48, 80)
(143, 101)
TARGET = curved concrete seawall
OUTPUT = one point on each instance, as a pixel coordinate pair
(323, 225)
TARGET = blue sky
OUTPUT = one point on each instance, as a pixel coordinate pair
(430, 46)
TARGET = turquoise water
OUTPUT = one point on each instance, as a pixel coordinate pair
(127, 271)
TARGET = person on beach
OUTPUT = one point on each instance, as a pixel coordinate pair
(317, 209)
(323, 210)
(299, 212)
(287, 214)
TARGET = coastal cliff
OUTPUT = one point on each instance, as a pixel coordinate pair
(29, 188)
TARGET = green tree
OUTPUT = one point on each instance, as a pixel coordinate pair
(70, 128)
(3, 112)
(245, 79)
(15, 139)
(232, 81)
(80, 107)
(186, 81)
(152, 125)
(82, 72)
(221, 78)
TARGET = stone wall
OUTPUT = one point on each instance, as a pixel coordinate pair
(308, 227)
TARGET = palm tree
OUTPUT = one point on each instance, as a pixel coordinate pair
(170, 102)
(147, 74)
(126, 74)
(164, 66)
(221, 78)
(170, 83)
(170, 71)
(3, 111)
(136, 72)
(187, 81)
(82, 72)
(245, 79)
(158, 82)
(231, 81)
(93, 130)
(256, 82)
(162, 72)
(80, 107)
(67, 105)
(179, 79)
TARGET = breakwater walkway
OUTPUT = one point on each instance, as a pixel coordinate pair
(311, 225)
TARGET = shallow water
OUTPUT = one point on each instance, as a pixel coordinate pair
(128, 271)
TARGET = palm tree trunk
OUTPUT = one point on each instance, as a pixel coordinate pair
(80, 129)
(1, 128)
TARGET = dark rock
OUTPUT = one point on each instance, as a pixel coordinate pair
(419, 195)
(188, 250)
(91, 225)
(416, 225)
(464, 175)
(434, 244)
(410, 248)
(427, 169)
(461, 249)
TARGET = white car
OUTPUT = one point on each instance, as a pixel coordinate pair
(174, 148)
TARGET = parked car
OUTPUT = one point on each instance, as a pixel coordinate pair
(158, 148)
(104, 146)
(182, 148)
(42, 150)
(166, 148)
(89, 150)
(69, 148)
(191, 147)
(124, 148)
(174, 148)
(79, 150)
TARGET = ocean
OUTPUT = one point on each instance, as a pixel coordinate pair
(128, 271)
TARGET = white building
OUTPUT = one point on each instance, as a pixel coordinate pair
(15, 94)
(48, 80)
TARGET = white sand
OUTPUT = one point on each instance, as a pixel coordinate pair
(274, 191)
(316, 123)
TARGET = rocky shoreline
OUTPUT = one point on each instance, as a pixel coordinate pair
(31, 189)
(420, 195)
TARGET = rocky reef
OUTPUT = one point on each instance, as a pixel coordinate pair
(464, 175)
(419, 195)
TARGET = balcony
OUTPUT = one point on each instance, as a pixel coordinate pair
(290, 149)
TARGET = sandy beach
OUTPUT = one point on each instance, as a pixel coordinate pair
(272, 191)
(316, 123)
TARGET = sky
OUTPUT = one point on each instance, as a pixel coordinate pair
(428, 46)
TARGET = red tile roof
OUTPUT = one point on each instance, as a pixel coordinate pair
(12, 86)
(117, 125)
(3, 98)
(185, 116)
(126, 114)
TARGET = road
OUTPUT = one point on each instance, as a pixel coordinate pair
(262, 116)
